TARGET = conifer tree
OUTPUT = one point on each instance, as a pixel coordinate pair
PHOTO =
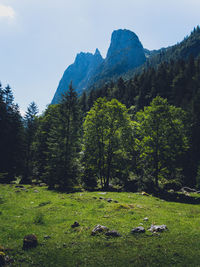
(11, 137)
(30, 124)
(64, 143)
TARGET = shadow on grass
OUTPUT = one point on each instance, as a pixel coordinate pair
(177, 197)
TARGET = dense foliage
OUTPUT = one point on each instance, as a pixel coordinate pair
(110, 144)
(141, 132)
(11, 137)
(106, 134)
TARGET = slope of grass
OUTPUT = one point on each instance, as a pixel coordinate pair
(49, 215)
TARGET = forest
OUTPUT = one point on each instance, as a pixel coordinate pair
(72, 169)
(140, 133)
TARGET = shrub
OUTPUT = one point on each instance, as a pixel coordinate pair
(172, 184)
(89, 179)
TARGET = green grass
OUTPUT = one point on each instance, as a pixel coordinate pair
(49, 213)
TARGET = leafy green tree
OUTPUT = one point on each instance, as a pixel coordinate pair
(105, 128)
(163, 139)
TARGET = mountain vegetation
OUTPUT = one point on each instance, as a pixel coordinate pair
(34, 209)
(136, 133)
(125, 53)
(139, 133)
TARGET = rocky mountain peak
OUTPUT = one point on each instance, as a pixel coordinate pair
(121, 39)
(125, 45)
(125, 52)
(97, 52)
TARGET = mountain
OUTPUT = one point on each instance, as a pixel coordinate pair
(125, 52)
(190, 46)
(79, 73)
(125, 58)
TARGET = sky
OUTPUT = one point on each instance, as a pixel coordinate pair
(39, 39)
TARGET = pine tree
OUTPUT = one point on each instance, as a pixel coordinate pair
(64, 143)
(11, 137)
(30, 124)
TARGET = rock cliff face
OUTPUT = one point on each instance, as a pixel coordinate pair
(125, 53)
(125, 48)
(79, 73)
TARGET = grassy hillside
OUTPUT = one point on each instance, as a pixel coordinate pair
(49, 215)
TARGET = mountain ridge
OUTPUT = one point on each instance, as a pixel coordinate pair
(125, 52)
(121, 61)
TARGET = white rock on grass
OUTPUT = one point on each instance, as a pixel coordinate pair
(157, 228)
(99, 229)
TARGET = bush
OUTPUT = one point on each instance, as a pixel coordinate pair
(172, 184)
(4, 178)
(131, 185)
(89, 179)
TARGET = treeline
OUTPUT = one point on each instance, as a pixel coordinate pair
(189, 47)
(16, 138)
(11, 137)
(137, 133)
(110, 144)
(176, 81)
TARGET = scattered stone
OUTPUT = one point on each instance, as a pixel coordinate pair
(8, 260)
(75, 224)
(102, 198)
(30, 241)
(19, 186)
(157, 228)
(17, 191)
(146, 219)
(187, 194)
(47, 237)
(109, 200)
(99, 229)
(116, 201)
(113, 233)
(144, 194)
(24, 189)
(138, 230)
(35, 191)
(43, 184)
(94, 197)
(189, 190)
(102, 193)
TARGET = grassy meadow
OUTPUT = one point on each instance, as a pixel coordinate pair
(49, 215)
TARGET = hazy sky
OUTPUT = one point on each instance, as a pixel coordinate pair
(40, 38)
